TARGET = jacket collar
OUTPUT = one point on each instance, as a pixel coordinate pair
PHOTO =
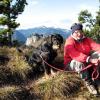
(76, 39)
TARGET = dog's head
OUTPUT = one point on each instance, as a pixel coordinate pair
(56, 40)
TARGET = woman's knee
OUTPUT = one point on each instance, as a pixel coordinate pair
(76, 65)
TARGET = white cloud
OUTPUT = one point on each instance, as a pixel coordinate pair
(33, 17)
(33, 2)
(90, 8)
(49, 20)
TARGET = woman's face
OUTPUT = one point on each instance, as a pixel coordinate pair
(78, 34)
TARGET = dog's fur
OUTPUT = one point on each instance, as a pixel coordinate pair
(47, 52)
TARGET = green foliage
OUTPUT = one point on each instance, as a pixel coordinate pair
(9, 11)
(98, 18)
(3, 20)
(86, 18)
(96, 33)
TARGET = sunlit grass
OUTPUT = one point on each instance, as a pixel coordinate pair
(62, 86)
(17, 64)
(6, 91)
(12, 92)
(4, 50)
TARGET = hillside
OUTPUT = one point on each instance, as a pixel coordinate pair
(19, 81)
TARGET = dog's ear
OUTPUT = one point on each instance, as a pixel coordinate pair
(51, 38)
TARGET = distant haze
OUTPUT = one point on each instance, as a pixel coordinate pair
(21, 35)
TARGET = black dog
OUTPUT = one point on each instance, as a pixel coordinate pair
(46, 51)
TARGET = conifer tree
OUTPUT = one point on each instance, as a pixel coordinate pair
(86, 18)
(9, 11)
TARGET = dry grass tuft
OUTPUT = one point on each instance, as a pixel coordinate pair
(17, 66)
(62, 86)
(7, 91)
(14, 93)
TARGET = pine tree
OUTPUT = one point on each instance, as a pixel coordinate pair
(96, 29)
(9, 11)
(86, 18)
(98, 16)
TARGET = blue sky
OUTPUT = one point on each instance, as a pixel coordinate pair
(54, 13)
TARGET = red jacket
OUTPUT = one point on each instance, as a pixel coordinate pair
(79, 51)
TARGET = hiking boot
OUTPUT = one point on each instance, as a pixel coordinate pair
(91, 88)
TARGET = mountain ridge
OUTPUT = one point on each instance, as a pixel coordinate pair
(23, 34)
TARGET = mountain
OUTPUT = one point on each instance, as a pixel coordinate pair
(19, 36)
(22, 34)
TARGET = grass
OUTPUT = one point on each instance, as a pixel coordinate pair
(16, 68)
(60, 87)
(6, 91)
(64, 86)
(14, 93)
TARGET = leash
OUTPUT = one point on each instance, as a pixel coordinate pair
(95, 73)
